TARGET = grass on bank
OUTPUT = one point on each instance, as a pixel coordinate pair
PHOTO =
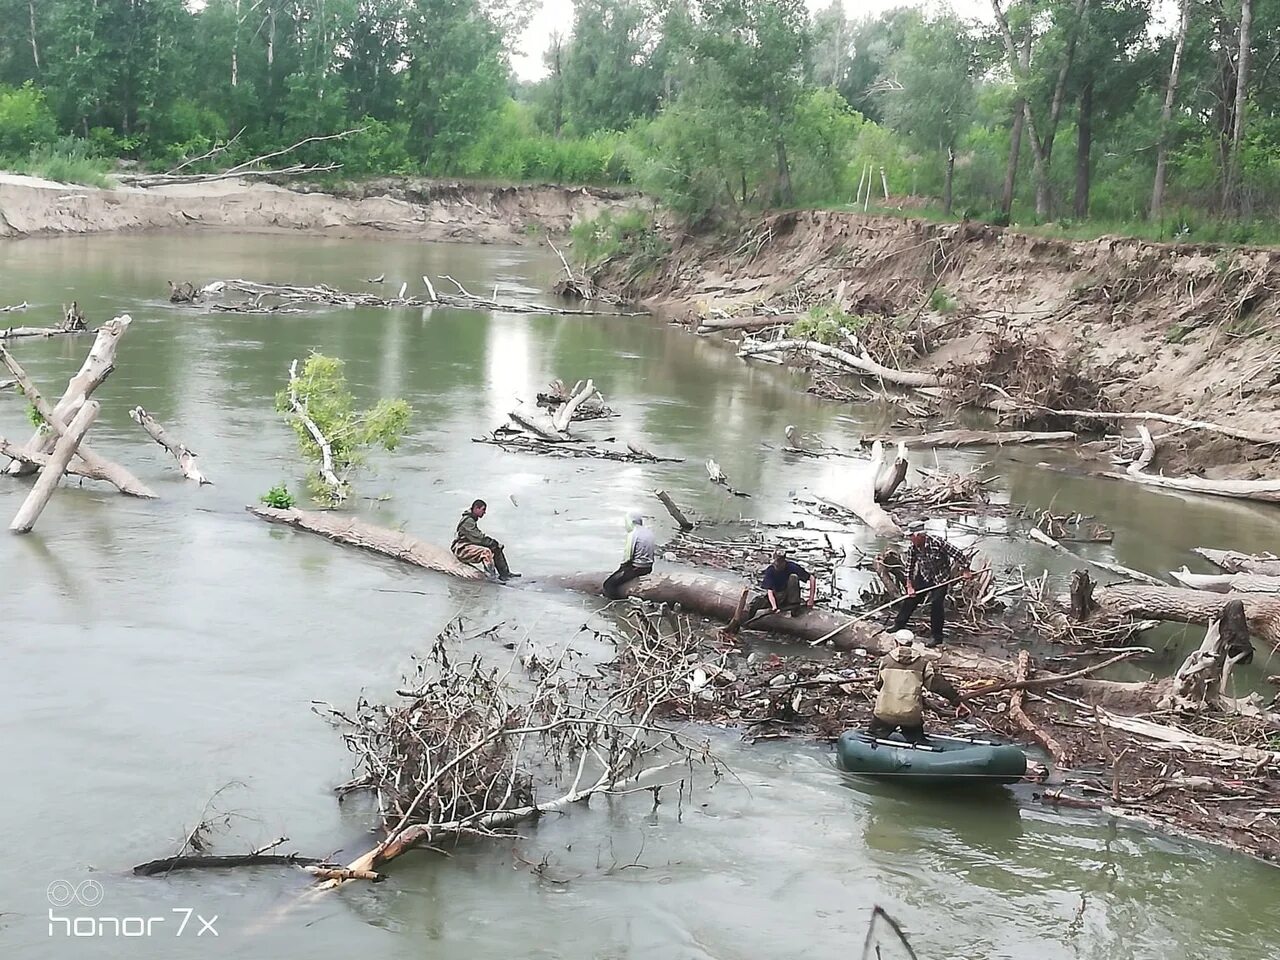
(1179, 226)
(67, 161)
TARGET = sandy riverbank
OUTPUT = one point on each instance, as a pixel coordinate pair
(1192, 331)
(427, 210)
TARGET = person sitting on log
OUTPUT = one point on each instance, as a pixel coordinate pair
(782, 577)
(931, 563)
(470, 545)
(637, 556)
(905, 674)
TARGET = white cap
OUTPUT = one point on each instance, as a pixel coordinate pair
(904, 637)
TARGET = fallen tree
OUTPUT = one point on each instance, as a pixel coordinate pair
(466, 753)
(353, 532)
(1192, 606)
(284, 296)
(1265, 490)
(35, 455)
(977, 438)
(852, 363)
(51, 474)
(1226, 582)
(186, 458)
(871, 483)
(1233, 562)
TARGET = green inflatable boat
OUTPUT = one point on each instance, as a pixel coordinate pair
(939, 761)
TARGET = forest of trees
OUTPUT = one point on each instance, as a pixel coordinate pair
(1165, 114)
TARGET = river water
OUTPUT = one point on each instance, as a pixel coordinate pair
(155, 652)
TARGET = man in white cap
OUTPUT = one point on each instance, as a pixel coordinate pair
(931, 562)
(905, 674)
(637, 556)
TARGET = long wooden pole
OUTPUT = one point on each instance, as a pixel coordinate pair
(47, 482)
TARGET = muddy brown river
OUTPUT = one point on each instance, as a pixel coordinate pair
(152, 653)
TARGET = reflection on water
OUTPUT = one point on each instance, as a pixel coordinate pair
(155, 652)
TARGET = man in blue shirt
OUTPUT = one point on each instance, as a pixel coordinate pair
(781, 579)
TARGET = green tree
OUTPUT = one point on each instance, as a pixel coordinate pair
(933, 97)
(456, 78)
(758, 50)
(609, 78)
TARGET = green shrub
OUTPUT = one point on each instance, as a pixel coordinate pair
(630, 234)
(279, 497)
(941, 302)
(69, 160)
(26, 121)
(827, 323)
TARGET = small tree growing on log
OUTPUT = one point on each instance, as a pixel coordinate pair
(332, 433)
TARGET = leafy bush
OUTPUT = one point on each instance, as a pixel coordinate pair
(69, 160)
(827, 323)
(279, 497)
(514, 149)
(26, 121)
(941, 302)
(321, 390)
(630, 234)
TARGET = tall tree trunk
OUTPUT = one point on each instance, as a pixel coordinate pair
(1015, 138)
(1166, 112)
(235, 50)
(271, 50)
(1084, 150)
(1042, 138)
(35, 47)
(947, 179)
(785, 193)
(1232, 187)
(1015, 147)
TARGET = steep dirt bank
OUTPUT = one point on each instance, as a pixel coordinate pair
(427, 210)
(1185, 330)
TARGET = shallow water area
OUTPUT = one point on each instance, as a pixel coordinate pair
(154, 652)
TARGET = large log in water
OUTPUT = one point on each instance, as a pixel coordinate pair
(51, 474)
(1192, 606)
(356, 533)
(1234, 562)
(711, 597)
(976, 438)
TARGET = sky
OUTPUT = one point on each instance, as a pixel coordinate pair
(554, 15)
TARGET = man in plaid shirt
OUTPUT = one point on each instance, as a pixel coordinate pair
(930, 561)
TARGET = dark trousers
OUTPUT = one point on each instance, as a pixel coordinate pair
(500, 562)
(625, 573)
(912, 733)
(937, 608)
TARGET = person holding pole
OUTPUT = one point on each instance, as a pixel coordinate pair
(932, 564)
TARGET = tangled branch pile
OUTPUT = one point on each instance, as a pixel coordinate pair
(1033, 374)
(473, 750)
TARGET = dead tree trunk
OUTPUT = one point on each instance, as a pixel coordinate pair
(1265, 490)
(1193, 606)
(47, 482)
(1166, 113)
(389, 543)
(96, 368)
(1201, 680)
(90, 464)
(1234, 562)
(186, 458)
(860, 495)
(676, 514)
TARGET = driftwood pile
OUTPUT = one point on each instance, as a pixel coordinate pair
(271, 298)
(546, 430)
